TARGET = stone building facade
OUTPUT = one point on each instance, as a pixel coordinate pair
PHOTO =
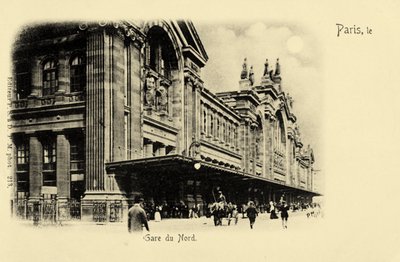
(105, 111)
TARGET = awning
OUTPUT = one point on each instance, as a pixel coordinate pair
(185, 164)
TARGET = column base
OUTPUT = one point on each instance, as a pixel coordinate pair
(104, 207)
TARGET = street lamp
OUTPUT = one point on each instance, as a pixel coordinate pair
(197, 164)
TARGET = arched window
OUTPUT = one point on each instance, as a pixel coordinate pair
(77, 74)
(50, 77)
(162, 58)
(23, 75)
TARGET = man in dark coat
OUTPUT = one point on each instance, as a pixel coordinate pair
(137, 216)
(251, 213)
(284, 214)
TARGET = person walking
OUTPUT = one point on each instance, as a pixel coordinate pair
(284, 214)
(251, 212)
(235, 213)
(157, 214)
(137, 217)
(272, 210)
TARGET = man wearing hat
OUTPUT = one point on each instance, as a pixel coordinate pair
(137, 216)
(221, 198)
(251, 213)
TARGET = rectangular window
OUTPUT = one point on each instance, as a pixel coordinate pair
(49, 164)
(77, 155)
(77, 166)
(50, 83)
(23, 166)
(50, 80)
(23, 154)
(78, 76)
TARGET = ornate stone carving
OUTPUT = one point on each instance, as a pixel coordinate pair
(149, 91)
(290, 100)
(162, 98)
(279, 161)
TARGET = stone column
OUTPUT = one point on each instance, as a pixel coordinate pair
(62, 74)
(209, 112)
(36, 79)
(62, 80)
(148, 149)
(63, 167)
(197, 114)
(136, 105)
(35, 167)
(115, 89)
(161, 150)
(95, 121)
(63, 176)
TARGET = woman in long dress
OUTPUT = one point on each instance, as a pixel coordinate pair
(157, 215)
(272, 210)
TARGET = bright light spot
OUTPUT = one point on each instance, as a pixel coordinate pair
(197, 166)
(295, 44)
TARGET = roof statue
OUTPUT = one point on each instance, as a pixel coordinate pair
(277, 68)
(243, 74)
(251, 75)
(266, 73)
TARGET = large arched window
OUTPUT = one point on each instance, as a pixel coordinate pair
(77, 74)
(162, 67)
(162, 57)
(50, 77)
(23, 75)
(280, 137)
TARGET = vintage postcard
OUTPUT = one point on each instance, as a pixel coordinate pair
(265, 134)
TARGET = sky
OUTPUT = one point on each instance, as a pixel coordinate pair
(301, 66)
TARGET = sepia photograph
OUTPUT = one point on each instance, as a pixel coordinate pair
(106, 114)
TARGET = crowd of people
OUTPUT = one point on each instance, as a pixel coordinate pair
(141, 211)
(177, 210)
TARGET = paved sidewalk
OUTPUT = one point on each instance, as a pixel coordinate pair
(297, 221)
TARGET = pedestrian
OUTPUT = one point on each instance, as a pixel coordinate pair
(272, 210)
(235, 213)
(229, 212)
(251, 212)
(157, 214)
(137, 217)
(284, 214)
